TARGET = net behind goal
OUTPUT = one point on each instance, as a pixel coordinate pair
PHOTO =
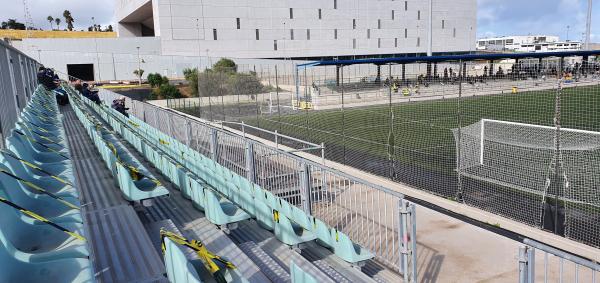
(519, 156)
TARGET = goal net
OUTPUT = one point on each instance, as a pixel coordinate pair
(519, 156)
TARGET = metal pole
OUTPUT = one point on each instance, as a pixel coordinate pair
(139, 66)
(305, 188)
(250, 171)
(430, 31)
(523, 265)
(214, 148)
(588, 25)
(413, 238)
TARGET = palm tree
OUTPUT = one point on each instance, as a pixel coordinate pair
(68, 19)
(57, 21)
(51, 20)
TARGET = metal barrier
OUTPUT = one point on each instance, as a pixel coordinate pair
(371, 215)
(17, 82)
(575, 268)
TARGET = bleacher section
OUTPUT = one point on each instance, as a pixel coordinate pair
(42, 238)
(227, 200)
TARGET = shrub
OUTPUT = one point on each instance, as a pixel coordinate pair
(191, 75)
(166, 91)
(225, 66)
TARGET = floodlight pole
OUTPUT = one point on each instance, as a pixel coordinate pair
(139, 66)
(588, 25)
(430, 29)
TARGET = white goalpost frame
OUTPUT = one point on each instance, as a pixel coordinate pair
(482, 134)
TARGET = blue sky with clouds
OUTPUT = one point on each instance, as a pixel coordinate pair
(495, 17)
(512, 17)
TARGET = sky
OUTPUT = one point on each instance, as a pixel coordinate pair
(494, 17)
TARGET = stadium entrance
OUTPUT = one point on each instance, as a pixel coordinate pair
(82, 71)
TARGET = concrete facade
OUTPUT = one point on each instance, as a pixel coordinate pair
(292, 29)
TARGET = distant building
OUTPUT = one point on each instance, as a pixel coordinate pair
(528, 43)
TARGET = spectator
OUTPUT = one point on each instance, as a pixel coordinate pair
(119, 105)
(93, 96)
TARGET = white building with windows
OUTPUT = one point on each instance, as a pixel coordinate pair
(171, 33)
(528, 43)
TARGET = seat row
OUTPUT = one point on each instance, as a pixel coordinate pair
(134, 180)
(42, 237)
(224, 196)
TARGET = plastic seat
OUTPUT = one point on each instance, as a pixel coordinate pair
(291, 233)
(18, 266)
(220, 211)
(197, 194)
(263, 214)
(33, 236)
(347, 250)
(184, 183)
(178, 267)
(299, 276)
(17, 145)
(40, 179)
(138, 190)
(323, 233)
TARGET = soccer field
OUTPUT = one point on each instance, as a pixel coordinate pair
(422, 130)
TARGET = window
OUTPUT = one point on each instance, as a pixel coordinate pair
(454, 32)
(393, 14)
(418, 41)
(320, 16)
(396, 42)
(335, 34)
(275, 45)
(443, 24)
(379, 23)
(237, 20)
(419, 15)
(292, 34)
(335, 4)
(368, 33)
(308, 34)
(405, 33)
(257, 34)
(353, 23)
(354, 43)
(405, 5)
(379, 43)
(214, 34)
(291, 13)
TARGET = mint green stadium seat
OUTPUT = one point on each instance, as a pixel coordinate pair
(299, 276)
(301, 218)
(140, 189)
(323, 233)
(178, 267)
(21, 146)
(40, 179)
(220, 211)
(242, 198)
(184, 176)
(291, 233)
(197, 194)
(345, 249)
(35, 237)
(263, 211)
(45, 205)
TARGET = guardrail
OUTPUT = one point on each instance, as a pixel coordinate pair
(575, 269)
(17, 83)
(376, 217)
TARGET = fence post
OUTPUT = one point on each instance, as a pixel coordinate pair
(188, 132)
(250, 171)
(403, 237)
(214, 147)
(305, 188)
(526, 264)
(408, 240)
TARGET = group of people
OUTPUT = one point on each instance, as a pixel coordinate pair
(49, 79)
(91, 92)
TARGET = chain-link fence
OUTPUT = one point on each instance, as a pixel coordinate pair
(516, 137)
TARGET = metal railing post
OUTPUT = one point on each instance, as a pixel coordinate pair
(523, 269)
(403, 235)
(250, 171)
(305, 188)
(188, 132)
(214, 147)
(530, 265)
(413, 239)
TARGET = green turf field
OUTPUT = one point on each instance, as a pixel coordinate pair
(422, 130)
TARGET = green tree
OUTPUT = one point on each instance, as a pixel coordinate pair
(57, 21)
(139, 73)
(51, 20)
(244, 84)
(166, 91)
(225, 66)
(12, 24)
(68, 19)
(156, 80)
(110, 28)
(191, 76)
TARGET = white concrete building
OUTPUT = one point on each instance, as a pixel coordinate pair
(177, 34)
(528, 43)
(300, 29)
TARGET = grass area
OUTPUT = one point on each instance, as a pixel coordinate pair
(422, 130)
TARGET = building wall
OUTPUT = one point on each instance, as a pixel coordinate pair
(186, 27)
